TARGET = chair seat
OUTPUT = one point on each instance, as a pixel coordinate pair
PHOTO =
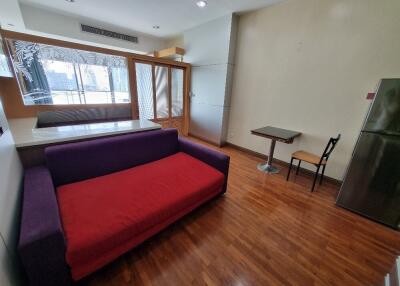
(308, 157)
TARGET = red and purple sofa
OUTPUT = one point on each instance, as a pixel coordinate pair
(95, 200)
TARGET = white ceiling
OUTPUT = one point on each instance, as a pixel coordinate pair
(173, 16)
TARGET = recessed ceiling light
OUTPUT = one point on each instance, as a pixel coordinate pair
(156, 27)
(201, 3)
(70, 1)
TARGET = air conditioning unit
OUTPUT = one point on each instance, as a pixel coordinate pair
(107, 33)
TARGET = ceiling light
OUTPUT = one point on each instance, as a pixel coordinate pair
(156, 27)
(201, 3)
(70, 1)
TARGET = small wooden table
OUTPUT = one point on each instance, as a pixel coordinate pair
(275, 134)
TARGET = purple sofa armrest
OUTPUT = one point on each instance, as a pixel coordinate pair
(41, 243)
(209, 156)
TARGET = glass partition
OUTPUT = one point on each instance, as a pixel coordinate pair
(162, 101)
(144, 83)
(177, 92)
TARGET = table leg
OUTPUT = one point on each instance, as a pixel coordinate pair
(267, 167)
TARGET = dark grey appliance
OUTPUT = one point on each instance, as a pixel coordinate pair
(371, 186)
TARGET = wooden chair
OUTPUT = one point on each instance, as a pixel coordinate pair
(317, 161)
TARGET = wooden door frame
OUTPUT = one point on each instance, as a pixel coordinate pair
(186, 92)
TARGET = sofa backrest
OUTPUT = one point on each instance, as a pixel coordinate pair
(79, 161)
(83, 116)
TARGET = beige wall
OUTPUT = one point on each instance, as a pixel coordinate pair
(307, 65)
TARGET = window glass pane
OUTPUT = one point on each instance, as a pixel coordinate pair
(144, 82)
(62, 82)
(96, 84)
(177, 92)
(95, 78)
(161, 75)
(57, 75)
(120, 84)
(4, 68)
(3, 64)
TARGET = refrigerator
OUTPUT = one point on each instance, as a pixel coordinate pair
(371, 186)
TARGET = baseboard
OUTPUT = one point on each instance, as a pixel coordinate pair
(206, 140)
(280, 162)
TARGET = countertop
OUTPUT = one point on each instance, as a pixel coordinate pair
(26, 134)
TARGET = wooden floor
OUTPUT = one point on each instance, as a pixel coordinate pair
(264, 231)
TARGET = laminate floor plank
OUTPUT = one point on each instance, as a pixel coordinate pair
(263, 231)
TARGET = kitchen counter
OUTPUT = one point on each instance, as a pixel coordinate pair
(26, 134)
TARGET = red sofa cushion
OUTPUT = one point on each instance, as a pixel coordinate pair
(106, 216)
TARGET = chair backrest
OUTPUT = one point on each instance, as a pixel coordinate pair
(329, 148)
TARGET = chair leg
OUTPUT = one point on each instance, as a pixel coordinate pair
(322, 174)
(315, 178)
(298, 167)
(290, 167)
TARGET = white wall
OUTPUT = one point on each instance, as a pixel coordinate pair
(307, 66)
(53, 23)
(210, 49)
(8, 276)
(10, 15)
(10, 186)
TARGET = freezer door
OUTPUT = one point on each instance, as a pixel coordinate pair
(372, 184)
(384, 115)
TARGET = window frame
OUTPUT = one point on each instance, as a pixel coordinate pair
(22, 110)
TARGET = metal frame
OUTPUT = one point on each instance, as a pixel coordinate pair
(325, 156)
(267, 167)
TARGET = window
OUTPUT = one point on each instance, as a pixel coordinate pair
(57, 75)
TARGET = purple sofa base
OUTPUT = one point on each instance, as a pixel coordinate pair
(42, 242)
